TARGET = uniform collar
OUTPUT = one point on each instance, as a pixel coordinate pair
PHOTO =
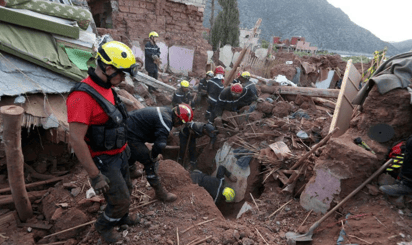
(97, 79)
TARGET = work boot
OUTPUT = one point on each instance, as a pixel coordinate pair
(105, 229)
(232, 178)
(162, 194)
(134, 172)
(129, 220)
(398, 189)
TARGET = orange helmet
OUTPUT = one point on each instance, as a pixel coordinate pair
(184, 112)
(236, 88)
(219, 70)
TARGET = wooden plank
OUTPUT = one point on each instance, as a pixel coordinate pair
(344, 108)
(281, 176)
(313, 92)
(148, 80)
(281, 150)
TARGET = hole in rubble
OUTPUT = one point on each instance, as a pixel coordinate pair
(102, 13)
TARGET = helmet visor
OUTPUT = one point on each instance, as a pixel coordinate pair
(132, 70)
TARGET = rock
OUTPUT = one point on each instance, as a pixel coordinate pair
(227, 237)
(236, 234)
(76, 191)
(282, 109)
(57, 214)
(163, 99)
(386, 179)
(169, 242)
(247, 241)
(71, 218)
(303, 229)
(282, 234)
(71, 242)
(94, 208)
(265, 107)
(41, 167)
(256, 115)
(40, 217)
(373, 190)
(150, 213)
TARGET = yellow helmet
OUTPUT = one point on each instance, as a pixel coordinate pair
(245, 74)
(210, 74)
(184, 84)
(119, 55)
(153, 34)
(229, 193)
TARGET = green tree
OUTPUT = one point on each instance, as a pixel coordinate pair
(226, 26)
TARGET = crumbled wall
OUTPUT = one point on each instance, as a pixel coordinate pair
(177, 22)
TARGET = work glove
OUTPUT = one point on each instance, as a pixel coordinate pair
(155, 57)
(100, 183)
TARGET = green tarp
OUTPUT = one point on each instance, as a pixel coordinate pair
(39, 48)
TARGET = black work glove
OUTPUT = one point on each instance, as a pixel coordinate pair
(100, 183)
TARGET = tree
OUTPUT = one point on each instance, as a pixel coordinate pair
(226, 26)
(211, 20)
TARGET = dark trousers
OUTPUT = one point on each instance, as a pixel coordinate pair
(406, 170)
(211, 111)
(184, 137)
(140, 152)
(155, 76)
(116, 168)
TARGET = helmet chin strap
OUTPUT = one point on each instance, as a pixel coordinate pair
(108, 77)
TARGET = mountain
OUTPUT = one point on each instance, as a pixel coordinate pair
(405, 46)
(323, 25)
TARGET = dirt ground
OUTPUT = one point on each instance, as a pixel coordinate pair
(368, 218)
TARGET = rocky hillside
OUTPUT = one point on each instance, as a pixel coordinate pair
(405, 46)
(318, 21)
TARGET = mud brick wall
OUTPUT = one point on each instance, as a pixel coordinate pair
(178, 22)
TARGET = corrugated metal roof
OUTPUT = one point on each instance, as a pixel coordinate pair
(18, 76)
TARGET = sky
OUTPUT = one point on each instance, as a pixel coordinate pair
(388, 20)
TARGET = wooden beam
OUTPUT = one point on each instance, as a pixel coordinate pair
(148, 80)
(8, 199)
(35, 184)
(306, 91)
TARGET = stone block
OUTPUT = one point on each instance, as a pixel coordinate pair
(226, 55)
(181, 59)
(124, 9)
(261, 53)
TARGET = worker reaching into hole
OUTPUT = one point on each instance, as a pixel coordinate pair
(96, 119)
(216, 186)
(183, 95)
(188, 136)
(153, 125)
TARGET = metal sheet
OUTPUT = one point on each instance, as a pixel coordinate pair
(20, 77)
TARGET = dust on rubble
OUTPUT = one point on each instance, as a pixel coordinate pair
(194, 218)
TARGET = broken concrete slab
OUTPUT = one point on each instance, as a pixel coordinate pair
(318, 194)
(235, 57)
(209, 56)
(226, 55)
(137, 51)
(181, 59)
(164, 53)
(261, 53)
(326, 83)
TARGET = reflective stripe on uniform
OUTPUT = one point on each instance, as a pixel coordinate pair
(214, 100)
(218, 189)
(110, 219)
(161, 119)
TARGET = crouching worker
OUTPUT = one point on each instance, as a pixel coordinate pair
(215, 185)
(152, 125)
(194, 130)
(404, 186)
(97, 134)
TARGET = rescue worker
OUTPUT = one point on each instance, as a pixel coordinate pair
(404, 184)
(202, 87)
(196, 130)
(153, 125)
(183, 95)
(213, 88)
(152, 57)
(98, 134)
(249, 87)
(216, 185)
(230, 99)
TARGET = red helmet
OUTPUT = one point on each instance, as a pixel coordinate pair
(219, 70)
(236, 88)
(184, 112)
